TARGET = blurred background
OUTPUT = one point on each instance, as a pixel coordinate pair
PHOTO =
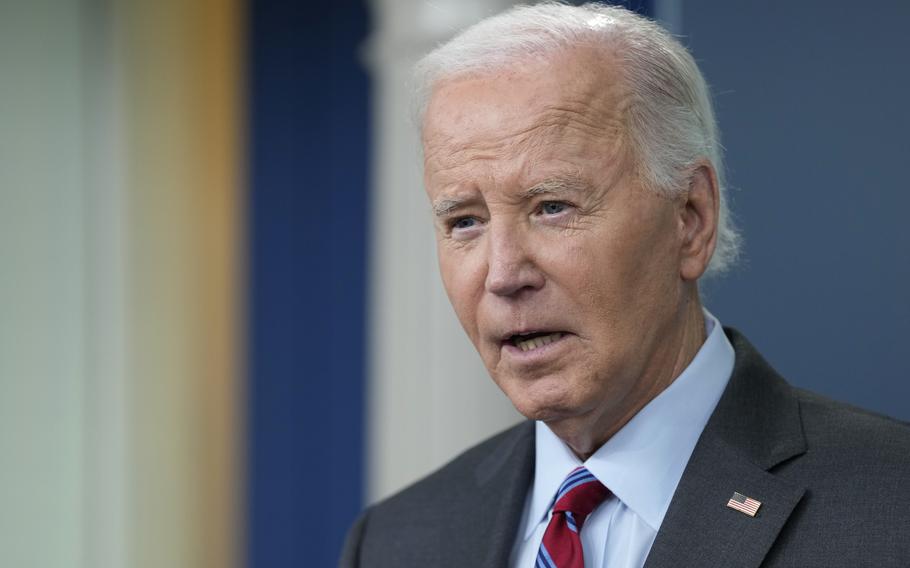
(222, 332)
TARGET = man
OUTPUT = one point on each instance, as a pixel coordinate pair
(573, 166)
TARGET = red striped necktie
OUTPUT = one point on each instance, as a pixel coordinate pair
(578, 495)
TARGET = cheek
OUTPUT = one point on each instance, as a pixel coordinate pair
(460, 281)
(615, 276)
(591, 269)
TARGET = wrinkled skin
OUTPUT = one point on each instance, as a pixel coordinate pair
(543, 225)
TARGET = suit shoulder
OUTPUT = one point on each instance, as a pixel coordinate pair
(461, 473)
(854, 469)
(445, 514)
(853, 432)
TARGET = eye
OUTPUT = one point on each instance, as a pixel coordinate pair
(463, 223)
(553, 207)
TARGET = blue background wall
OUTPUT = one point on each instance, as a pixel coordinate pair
(309, 137)
(812, 102)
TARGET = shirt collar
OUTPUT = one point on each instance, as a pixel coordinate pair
(643, 462)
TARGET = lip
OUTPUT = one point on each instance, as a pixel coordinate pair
(505, 337)
(537, 355)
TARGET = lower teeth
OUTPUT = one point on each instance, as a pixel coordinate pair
(529, 344)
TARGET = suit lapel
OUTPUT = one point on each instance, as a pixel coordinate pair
(700, 530)
(755, 426)
(506, 484)
(488, 522)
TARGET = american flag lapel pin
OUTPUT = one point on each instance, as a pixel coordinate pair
(744, 504)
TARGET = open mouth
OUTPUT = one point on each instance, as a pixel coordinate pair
(535, 340)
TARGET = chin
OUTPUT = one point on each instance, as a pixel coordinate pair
(546, 406)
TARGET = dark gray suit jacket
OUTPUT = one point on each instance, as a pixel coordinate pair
(834, 483)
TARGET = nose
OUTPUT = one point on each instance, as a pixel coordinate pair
(511, 269)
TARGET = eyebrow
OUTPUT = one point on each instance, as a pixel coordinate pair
(443, 207)
(554, 186)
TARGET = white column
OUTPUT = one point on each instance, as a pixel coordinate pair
(42, 284)
(429, 395)
(107, 424)
(63, 419)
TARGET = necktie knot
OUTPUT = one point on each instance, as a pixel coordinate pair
(580, 494)
(577, 497)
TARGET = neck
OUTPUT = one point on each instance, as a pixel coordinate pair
(674, 353)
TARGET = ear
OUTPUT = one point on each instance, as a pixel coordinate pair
(700, 207)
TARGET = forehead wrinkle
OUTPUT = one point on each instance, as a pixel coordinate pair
(529, 142)
(573, 125)
(555, 120)
(450, 154)
(581, 116)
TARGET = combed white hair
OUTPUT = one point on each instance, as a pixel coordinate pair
(670, 120)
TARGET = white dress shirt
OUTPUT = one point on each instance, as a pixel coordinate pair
(641, 465)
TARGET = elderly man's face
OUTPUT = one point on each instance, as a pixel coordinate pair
(563, 270)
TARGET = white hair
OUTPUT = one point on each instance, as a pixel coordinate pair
(670, 120)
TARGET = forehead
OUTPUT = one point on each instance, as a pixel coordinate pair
(571, 104)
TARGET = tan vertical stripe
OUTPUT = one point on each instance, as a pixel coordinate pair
(183, 101)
